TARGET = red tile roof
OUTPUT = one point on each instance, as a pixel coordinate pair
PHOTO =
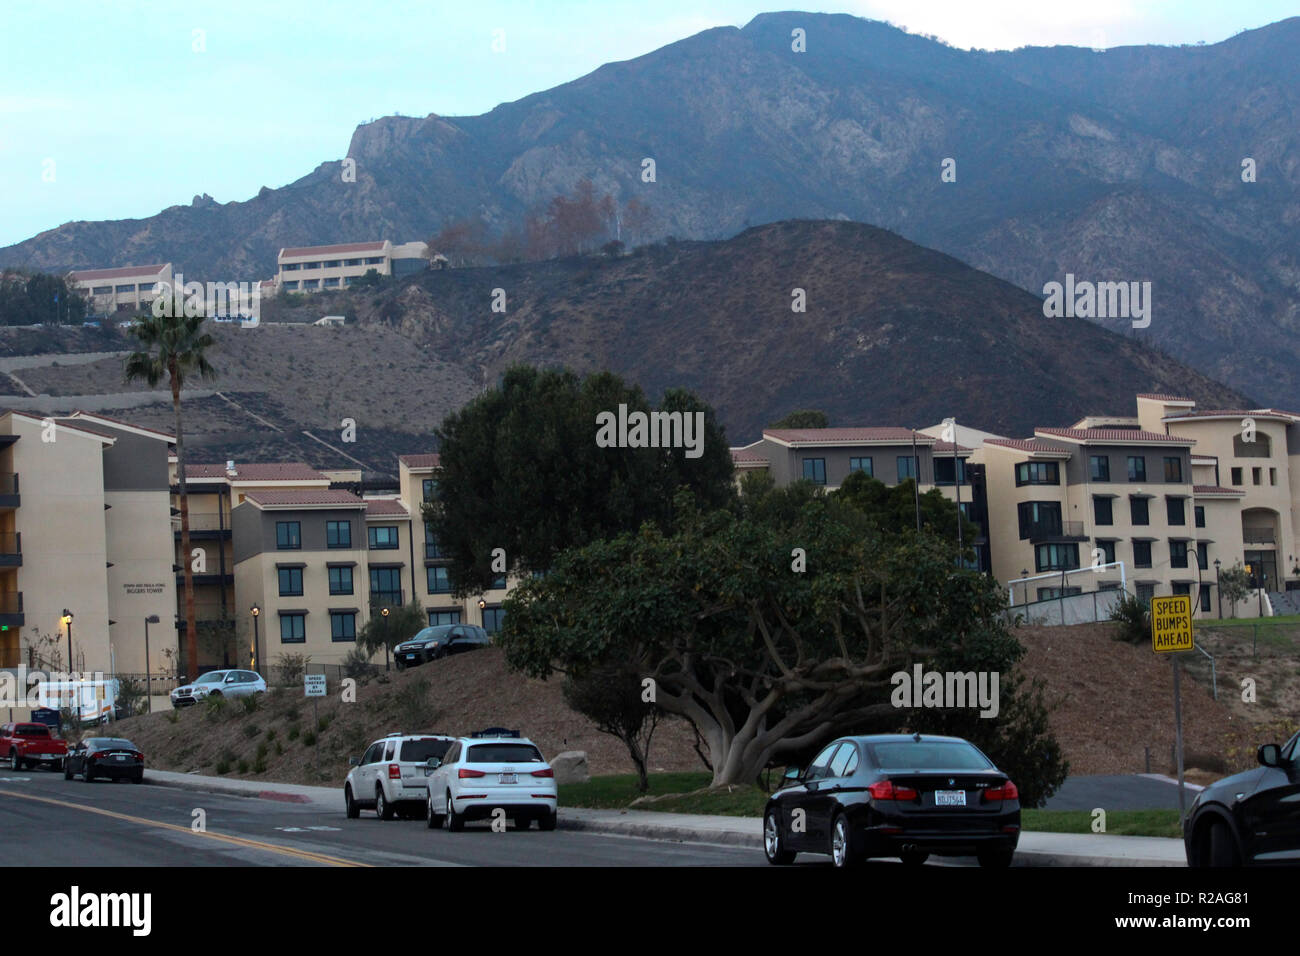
(337, 250)
(1216, 490)
(1027, 444)
(815, 436)
(420, 461)
(947, 447)
(747, 456)
(1114, 434)
(265, 471)
(385, 506)
(1232, 413)
(1159, 397)
(290, 497)
(87, 275)
(96, 416)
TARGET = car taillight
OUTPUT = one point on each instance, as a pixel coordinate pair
(887, 790)
(1007, 791)
(394, 771)
(548, 772)
(465, 772)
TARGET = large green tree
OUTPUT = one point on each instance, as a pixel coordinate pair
(29, 298)
(803, 418)
(768, 632)
(521, 471)
(173, 348)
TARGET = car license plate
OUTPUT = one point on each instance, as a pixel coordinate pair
(950, 798)
(509, 778)
(119, 756)
(410, 657)
(47, 756)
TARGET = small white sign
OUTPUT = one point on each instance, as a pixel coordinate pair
(313, 685)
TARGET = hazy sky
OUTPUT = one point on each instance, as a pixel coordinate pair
(127, 109)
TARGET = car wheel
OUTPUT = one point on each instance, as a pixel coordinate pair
(1222, 850)
(454, 821)
(383, 809)
(844, 846)
(773, 846)
(353, 810)
(995, 859)
(431, 819)
(15, 761)
(86, 773)
(67, 770)
(913, 857)
(548, 821)
(215, 693)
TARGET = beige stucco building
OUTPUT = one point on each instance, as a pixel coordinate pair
(335, 267)
(122, 289)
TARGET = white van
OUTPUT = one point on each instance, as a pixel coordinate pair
(92, 700)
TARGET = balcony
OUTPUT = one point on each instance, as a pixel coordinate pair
(1258, 536)
(206, 524)
(11, 549)
(1042, 531)
(11, 609)
(9, 497)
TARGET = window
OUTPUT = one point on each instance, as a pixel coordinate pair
(343, 626)
(382, 537)
(375, 260)
(841, 759)
(1099, 467)
(429, 487)
(493, 617)
(1039, 518)
(1174, 469)
(1272, 476)
(340, 580)
(906, 467)
(311, 283)
(1145, 592)
(1140, 512)
(1047, 594)
(1176, 511)
(288, 535)
(1178, 554)
(1182, 587)
(332, 263)
(338, 534)
(102, 290)
(860, 464)
(289, 266)
(1254, 475)
(1141, 554)
(1056, 557)
(1203, 555)
(292, 285)
(432, 550)
(437, 618)
(1261, 447)
(438, 581)
(386, 586)
(293, 628)
(1137, 468)
(1038, 473)
(1205, 598)
(331, 283)
(1198, 512)
(498, 583)
(1107, 549)
(290, 582)
(1102, 510)
(1236, 476)
(944, 470)
(814, 469)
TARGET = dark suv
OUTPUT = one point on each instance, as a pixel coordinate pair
(440, 641)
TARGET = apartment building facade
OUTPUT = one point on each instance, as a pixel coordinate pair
(129, 289)
(335, 267)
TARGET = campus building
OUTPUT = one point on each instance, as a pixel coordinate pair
(126, 289)
(85, 544)
(330, 268)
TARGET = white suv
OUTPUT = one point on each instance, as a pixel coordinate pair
(494, 769)
(223, 683)
(390, 777)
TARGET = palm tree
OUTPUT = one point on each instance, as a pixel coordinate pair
(173, 347)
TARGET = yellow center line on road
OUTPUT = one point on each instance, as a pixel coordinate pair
(222, 837)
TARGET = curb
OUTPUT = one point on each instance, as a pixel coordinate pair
(207, 785)
(663, 831)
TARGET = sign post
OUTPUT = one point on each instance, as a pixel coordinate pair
(1171, 633)
(313, 686)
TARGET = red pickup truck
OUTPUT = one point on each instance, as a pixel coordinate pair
(31, 745)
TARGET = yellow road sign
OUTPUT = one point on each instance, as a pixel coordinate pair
(1171, 623)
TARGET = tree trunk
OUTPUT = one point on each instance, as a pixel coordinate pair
(191, 628)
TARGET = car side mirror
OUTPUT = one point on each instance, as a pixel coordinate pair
(1270, 755)
(433, 763)
(232, 678)
(793, 773)
(354, 762)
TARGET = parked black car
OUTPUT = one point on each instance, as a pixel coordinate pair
(440, 641)
(1251, 817)
(112, 757)
(895, 795)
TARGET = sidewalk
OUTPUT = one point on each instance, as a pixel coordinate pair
(1035, 849)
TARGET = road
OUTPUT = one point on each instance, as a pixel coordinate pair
(50, 821)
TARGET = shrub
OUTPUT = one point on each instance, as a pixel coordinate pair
(130, 694)
(414, 707)
(250, 703)
(270, 733)
(1134, 618)
(357, 664)
(242, 766)
(222, 767)
(259, 765)
(251, 730)
(293, 732)
(323, 724)
(214, 708)
(262, 750)
(309, 738)
(279, 749)
(173, 716)
(290, 669)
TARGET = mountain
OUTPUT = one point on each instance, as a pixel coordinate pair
(1118, 165)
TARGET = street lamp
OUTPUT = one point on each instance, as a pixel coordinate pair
(256, 612)
(384, 614)
(1024, 573)
(148, 671)
(67, 619)
(1218, 587)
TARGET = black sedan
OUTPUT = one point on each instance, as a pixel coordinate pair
(439, 641)
(112, 757)
(1251, 817)
(895, 795)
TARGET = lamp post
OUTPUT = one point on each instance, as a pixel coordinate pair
(383, 612)
(1218, 587)
(67, 619)
(256, 612)
(148, 671)
(1024, 573)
